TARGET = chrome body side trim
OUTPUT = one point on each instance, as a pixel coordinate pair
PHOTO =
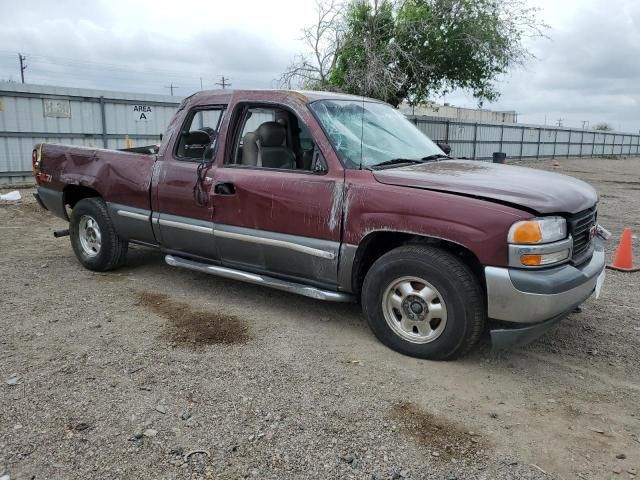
(185, 226)
(132, 223)
(222, 231)
(508, 303)
(292, 287)
(275, 243)
(137, 216)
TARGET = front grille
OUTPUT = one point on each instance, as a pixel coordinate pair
(579, 226)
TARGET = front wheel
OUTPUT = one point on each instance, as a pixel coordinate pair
(93, 236)
(424, 302)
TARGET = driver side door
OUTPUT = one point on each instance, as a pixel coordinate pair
(184, 226)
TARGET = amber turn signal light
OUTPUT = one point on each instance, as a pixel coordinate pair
(531, 260)
(527, 232)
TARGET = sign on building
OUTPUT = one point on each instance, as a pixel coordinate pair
(142, 113)
(56, 108)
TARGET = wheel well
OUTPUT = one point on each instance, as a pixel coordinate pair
(74, 193)
(376, 244)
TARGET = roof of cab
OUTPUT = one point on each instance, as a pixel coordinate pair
(306, 96)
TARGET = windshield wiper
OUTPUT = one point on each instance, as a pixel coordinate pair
(394, 161)
(435, 156)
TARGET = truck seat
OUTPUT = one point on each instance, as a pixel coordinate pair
(265, 147)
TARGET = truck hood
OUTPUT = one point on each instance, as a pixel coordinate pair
(537, 190)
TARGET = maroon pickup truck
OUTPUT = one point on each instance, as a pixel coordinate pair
(339, 198)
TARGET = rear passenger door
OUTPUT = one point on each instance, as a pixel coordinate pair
(184, 226)
(280, 215)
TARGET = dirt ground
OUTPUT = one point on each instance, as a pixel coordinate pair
(157, 372)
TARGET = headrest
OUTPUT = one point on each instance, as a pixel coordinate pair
(271, 134)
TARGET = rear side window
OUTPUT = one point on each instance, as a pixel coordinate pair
(193, 145)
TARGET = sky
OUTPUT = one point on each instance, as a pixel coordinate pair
(587, 70)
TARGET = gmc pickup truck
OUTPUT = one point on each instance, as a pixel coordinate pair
(339, 198)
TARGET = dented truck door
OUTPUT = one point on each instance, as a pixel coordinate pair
(184, 226)
(280, 214)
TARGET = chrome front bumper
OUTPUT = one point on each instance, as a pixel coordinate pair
(535, 296)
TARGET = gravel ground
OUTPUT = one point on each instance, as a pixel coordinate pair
(155, 372)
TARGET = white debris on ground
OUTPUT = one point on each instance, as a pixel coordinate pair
(12, 196)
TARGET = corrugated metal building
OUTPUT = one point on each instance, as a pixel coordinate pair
(432, 109)
(31, 114)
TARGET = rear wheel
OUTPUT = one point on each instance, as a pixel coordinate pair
(424, 302)
(93, 237)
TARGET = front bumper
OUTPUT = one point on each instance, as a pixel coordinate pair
(540, 297)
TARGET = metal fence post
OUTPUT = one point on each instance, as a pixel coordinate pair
(501, 137)
(446, 132)
(555, 140)
(581, 142)
(522, 143)
(475, 139)
(538, 147)
(613, 145)
(593, 145)
(103, 117)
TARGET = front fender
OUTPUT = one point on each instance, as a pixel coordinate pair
(478, 225)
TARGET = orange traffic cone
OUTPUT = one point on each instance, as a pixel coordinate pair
(623, 260)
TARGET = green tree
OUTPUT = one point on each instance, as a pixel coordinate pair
(369, 56)
(604, 127)
(399, 50)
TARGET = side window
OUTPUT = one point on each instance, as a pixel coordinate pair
(199, 135)
(272, 137)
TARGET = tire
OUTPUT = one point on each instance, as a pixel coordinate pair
(93, 237)
(424, 302)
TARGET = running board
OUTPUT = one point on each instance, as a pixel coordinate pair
(254, 278)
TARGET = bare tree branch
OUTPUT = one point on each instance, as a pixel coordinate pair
(311, 68)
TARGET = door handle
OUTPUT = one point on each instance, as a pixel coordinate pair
(224, 188)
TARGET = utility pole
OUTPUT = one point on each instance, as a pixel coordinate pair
(224, 82)
(171, 87)
(560, 121)
(585, 124)
(23, 66)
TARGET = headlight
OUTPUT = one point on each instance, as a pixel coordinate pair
(538, 230)
(539, 242)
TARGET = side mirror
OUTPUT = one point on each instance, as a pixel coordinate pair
(445, 147)
(319, 164)
(197, 137)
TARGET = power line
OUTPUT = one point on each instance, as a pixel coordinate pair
(224, 83)
(112, 68)
(171, 88)
(66, 61)
(23, 66)
(95, 74)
